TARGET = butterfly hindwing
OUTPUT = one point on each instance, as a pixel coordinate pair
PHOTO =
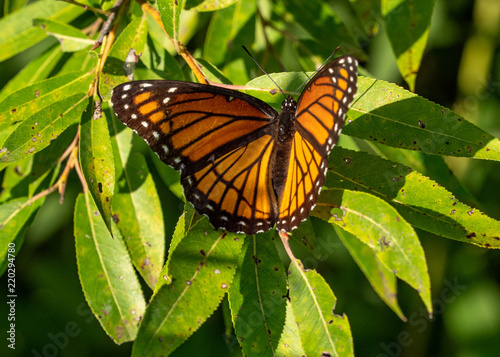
(234, 190)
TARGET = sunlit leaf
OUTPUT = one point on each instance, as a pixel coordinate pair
(97, 160)
(107, 276)
(36, 132)
(202, 268)
(18, 32)
(388, 114)
(313, 303)
(407, 24)
(257, 297)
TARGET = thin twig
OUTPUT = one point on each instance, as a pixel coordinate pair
(107, 24)
(284, 238)
(86, 7)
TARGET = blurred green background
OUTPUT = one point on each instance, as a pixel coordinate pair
(460, 70)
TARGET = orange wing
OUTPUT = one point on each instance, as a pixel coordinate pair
(221, 140)
(320, 116)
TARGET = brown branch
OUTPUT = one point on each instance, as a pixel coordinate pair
(107, 24)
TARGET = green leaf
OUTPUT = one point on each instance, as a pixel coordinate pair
(381, 227)
(30, 100)
(407, 24)
(70, 38)
(18, 32)
(170, 13)
(263, 88)
(224, 27)
(321, 331)
(137, 211)
(202, 267)
(421, 201)
(380, 277)
(208, 5)
(256, 297)
(14, 218)
(107, 276)
(315, 16)
(97, 159)
(368, 12)
(289, 343)
(36, 173)
(132, 38)
(37, 70)
(36, 132)
(390, 115)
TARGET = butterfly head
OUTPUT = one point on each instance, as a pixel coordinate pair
(289, 104)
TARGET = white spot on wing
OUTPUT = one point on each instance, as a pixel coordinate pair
(166, 100)
(127, 87)
(145, 85)
(173, 89)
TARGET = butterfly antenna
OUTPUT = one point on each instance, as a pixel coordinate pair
(316, 71)
(262, 69)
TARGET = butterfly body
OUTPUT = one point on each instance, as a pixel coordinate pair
(242, 164)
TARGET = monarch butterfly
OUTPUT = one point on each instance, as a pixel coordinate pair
(242, 164)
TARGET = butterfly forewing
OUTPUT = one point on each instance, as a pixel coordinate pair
(221, 141)
(320, 115)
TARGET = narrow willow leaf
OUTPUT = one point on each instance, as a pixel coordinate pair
(97, 160)
(321, 331)
(18, 32)
(390, 115)
(181, 229)
(114, 73)
(368, 13)
(263, 88)
(380, 226)
(15, 216)
(29, 100)
(138, 216)
(407, 25)
(315, 16)
(81, 61)
(257, 297)
(35, 71)
(420, 200)
(107, 276)
(208, 5)
(136, 206)
(35, 173)
(289, 343)
(432, 166)
(70, 38)
(170, 13)
(224, 27)
(202, 268)
(380, 277)
(37, 132)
